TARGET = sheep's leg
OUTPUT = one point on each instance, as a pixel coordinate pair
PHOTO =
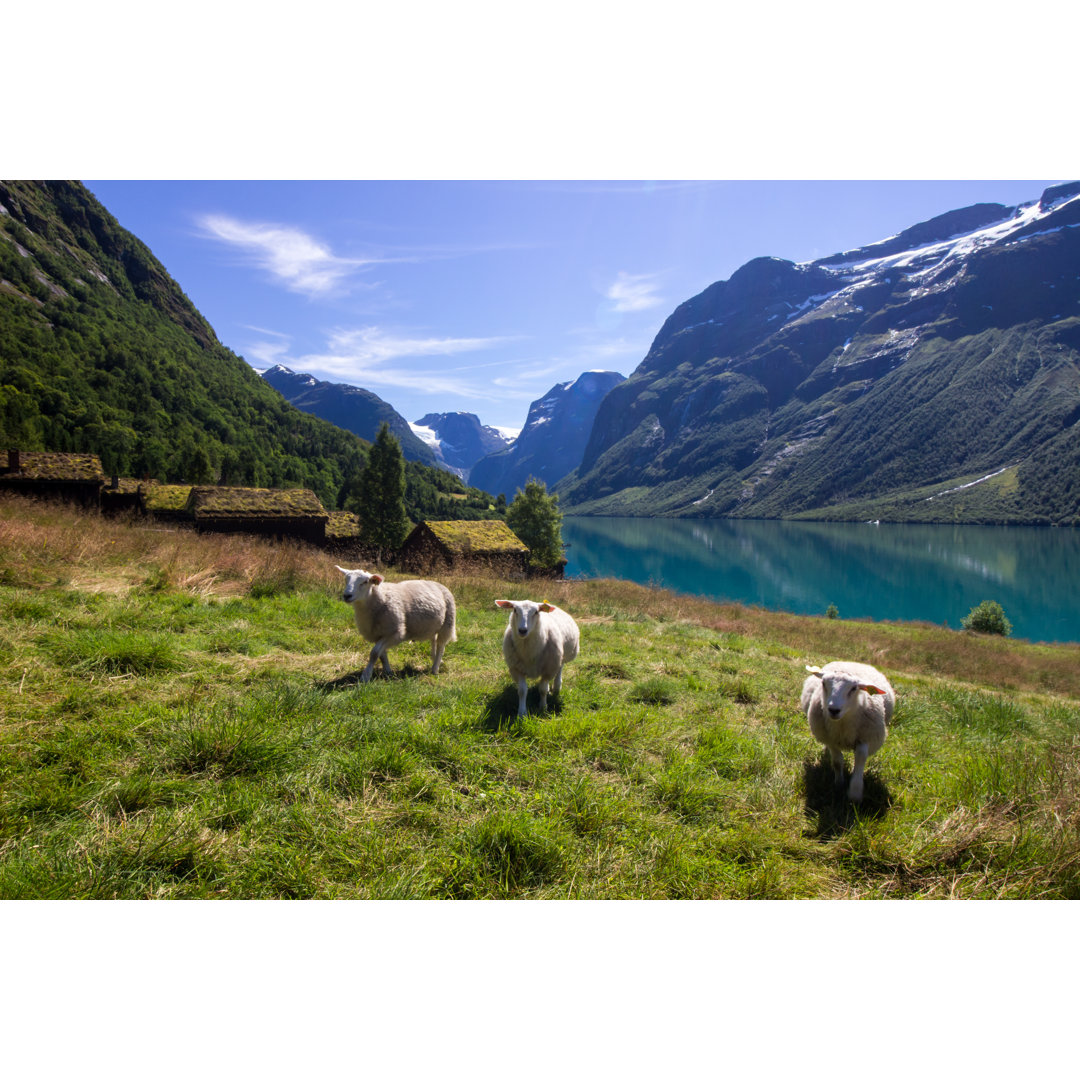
(837, 766)
(377, 651)
(556, 686)
(543, 688)
(855, 788)
(523, 691)
(438, 646)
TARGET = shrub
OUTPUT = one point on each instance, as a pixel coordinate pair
(987, 618)
(832, 612)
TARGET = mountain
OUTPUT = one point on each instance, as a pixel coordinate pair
(349, 407)
(934, 376)
(554, 436)
(459, 440)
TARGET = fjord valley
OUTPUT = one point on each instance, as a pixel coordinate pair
(183, 716)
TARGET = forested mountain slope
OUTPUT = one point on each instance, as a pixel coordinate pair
(101, 351)
(932, 376)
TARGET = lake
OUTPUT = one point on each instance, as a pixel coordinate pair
(934, 573)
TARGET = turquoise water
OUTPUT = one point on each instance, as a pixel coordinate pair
(934, 573)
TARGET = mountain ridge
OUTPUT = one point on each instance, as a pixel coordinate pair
(349, 407)
(801, 388)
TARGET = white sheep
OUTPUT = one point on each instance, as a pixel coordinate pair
(849, 706)
(538, 640)
(389, 613)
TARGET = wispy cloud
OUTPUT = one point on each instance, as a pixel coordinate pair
(634, 292)
(373, 357)
(296, 259)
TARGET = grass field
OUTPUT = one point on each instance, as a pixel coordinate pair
(181, 717)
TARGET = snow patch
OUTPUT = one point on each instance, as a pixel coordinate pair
(425, 434)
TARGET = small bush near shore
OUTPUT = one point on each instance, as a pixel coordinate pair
(987, 618)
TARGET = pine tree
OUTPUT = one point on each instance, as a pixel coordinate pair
(535, 517)
(380, 500)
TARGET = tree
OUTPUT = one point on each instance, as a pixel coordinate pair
(987, 618)
(380, 500)
(535, 518)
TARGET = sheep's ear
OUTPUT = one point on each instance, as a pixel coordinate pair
(871, 689)
(815, 671)
(342, 569)
(545, 606)
(376, 579)
(504, 603)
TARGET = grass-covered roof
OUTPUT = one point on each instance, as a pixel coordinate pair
(39, 465)
(342, 525)
(237, 502)
(167, 496)
(463, 537)
(125, 485)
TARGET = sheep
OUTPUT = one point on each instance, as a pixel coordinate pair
(538, 640)
(849, 706)
(389, 613)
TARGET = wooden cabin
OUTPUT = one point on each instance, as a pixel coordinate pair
(456, 544)
(123, 495)
(168, 503)
(293, 513)
(76, 478)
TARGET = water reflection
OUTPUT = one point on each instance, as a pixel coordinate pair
(936, 573)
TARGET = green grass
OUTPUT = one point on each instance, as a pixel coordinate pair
(190, 733)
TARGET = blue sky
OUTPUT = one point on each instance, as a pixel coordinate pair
(481, 295)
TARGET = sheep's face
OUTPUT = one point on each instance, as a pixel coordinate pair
(358, 584)
(840, 691)
(524, 615)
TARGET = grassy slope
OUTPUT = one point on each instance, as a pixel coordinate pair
(181, 717)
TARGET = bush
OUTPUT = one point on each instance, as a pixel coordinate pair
(832, 612)
(987, 618)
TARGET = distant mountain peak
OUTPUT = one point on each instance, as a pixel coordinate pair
(553, 439)
(459, 439)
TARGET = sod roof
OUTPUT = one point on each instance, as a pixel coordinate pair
(234, 502)
(167, 496)
(342, 525)
(39, 465)
(125, 485)
(463, 537)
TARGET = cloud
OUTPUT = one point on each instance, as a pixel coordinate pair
(633, 292)
(299, 261)
(373, 357)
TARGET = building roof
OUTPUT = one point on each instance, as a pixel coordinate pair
(167, 496)
(125, 485)
(41, 466)
(342, 525)
(465, 537)
(274, 503)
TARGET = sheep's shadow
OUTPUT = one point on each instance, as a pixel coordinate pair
(352, 678)
(501, 710)
(827, 806)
